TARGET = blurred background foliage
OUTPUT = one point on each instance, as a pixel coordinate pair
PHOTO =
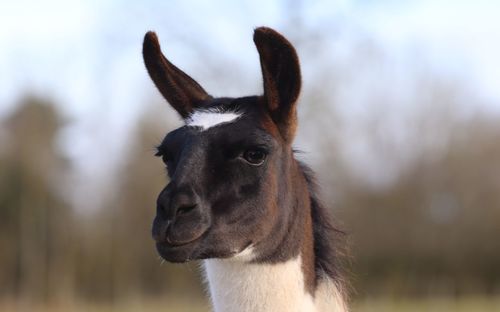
(407, 155)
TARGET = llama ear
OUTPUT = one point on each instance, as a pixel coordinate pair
(181, 91)
(281, 75)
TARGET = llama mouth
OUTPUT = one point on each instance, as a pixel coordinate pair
(179, 251)
(181, 243)
(175, 244)
(177, 238)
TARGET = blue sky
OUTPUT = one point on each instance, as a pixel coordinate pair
(66, 49)
(86, 55)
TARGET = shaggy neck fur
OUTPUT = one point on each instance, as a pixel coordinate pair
(237, 285)
(243, 284)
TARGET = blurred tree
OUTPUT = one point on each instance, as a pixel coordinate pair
(431, 232)
(34, 220)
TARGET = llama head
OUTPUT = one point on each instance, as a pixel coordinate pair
(230, 164)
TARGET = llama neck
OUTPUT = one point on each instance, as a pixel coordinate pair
(285, 277)
(236, 285)
(249, 287)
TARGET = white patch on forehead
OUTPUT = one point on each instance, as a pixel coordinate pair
(206, 119)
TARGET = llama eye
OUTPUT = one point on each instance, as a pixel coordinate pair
(255, 156)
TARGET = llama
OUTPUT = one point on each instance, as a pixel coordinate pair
(238, 199)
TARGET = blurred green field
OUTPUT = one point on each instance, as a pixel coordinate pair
(470, 304)
(479, 304)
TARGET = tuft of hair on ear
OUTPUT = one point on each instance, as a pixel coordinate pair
(281, 77)
(180, 90)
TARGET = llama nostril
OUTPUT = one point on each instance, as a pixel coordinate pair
(183, 210)
(183, 202)
(160, 229)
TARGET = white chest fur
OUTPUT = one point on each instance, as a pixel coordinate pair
(241, 286)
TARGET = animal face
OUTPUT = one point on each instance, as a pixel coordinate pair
(229, 164)
(221, 185)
